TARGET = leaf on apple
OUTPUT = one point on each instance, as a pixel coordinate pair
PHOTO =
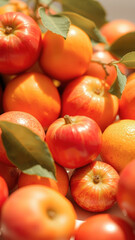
(90, 9)
(123, 45)
(3, 2)
(57, 23)
(128, 60)
(26, 150)
(119, 84)
(87, 25)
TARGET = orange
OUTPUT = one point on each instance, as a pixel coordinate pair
(104, 72)
(33, 93)
(66, 59)
(61, 185)
(118, 146)
(24, 119)
(127, 101)
(116, 28)
(131, 76)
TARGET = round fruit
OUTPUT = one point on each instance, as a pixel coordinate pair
(126, 190)
(61, 183)
(20, 42)
(74, 141)
(127, 101)
(21, 118)
(10, 175)
(104, 227)
(94, 186)
(116, 28)
(118, 146)
(15, 6)
(3, 191)
(33, 93)
(66, 59)
(37, 212)
(89, 96)
(103, 71)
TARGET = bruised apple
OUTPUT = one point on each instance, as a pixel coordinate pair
(94, 186)
(74, 141)
(35, 213)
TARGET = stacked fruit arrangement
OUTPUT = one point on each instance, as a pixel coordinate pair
(67, 121)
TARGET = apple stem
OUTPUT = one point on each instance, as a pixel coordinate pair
(8, 30)
(96, 179)
(67, 119)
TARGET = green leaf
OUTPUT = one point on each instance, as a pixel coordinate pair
(123, 45)
(87, 25)
(56, 23)
(128, 60)
(90, 9)
(45, 2)
(119, 84)
(3, 2)
(26, 150)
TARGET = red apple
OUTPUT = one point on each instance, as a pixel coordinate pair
(89, 96)
(94, 186)
(126, 190)
(3, 191)
(35, 213)
(104, 227)
(74, 141)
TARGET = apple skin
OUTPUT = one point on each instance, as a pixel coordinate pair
(35, 213)
(89, 96)
(94, 186)
(3, 191)
(74, 141)
(126, 190)
(104, 227)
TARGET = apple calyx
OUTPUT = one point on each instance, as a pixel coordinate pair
(99, 91)
(67, 119)
(96, 179)
(51, 213)
(8, 30)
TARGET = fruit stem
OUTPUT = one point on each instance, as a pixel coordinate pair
(8, 30)
(67, 119)
(96, 179)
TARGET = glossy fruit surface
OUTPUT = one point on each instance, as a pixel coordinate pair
(118, 143)
(61, 183)
(126, 190)
(74, 141)
(104, 227)
(127, 101)
(3, 191)
(66, 59)
(89, 96)
(20, 42)
(39, 213)
(24, 119)
(103, 71)
(33, 93)
(116, 28)
(94, 186)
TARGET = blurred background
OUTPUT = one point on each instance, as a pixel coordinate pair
(119, 9)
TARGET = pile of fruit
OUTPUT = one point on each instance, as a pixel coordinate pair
(67, 121)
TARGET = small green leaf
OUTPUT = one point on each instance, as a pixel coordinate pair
(56, 23)
(90, 9)
(87, 25)
(26, 150)
(123, 45)
(119, 84)
(3, 2)
(128, 60)
(45, 2)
